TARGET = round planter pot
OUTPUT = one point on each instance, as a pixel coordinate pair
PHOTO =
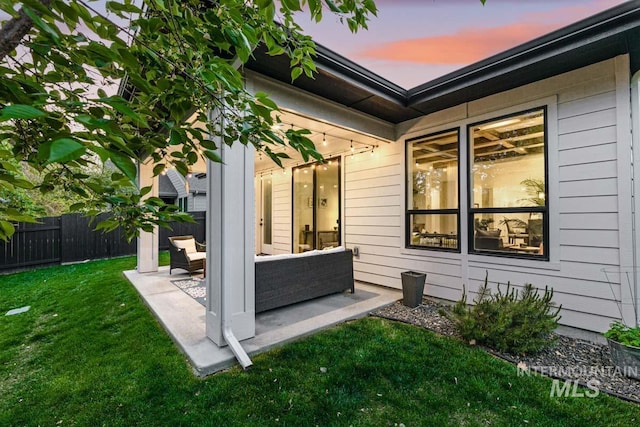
(626, 358)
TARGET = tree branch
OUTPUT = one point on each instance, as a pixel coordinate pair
(14, 30)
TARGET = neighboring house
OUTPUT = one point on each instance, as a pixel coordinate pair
(166, 191)
(188, 193)
(197, 199)
(519, 166)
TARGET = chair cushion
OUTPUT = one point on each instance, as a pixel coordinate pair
(488, 233)
(194, 256)
(189, 245)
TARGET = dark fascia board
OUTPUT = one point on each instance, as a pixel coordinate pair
(607, 28)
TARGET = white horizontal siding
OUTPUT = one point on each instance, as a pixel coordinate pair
(595, 187)
(596, 169)
(589, 221)
(584, 155)
(385, 221)
(587, 137)
(590, 204)
(197, 203)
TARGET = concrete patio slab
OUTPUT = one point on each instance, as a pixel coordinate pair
(184, 318)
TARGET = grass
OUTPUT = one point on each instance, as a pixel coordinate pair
(90, 353)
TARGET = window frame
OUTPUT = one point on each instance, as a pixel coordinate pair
(544, 210)
(450, 211)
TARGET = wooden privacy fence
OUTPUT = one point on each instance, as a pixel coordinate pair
(71, 237)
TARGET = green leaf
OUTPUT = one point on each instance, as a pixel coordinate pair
(38, 22)
(6, 230)
(158, 169)
(332, 6)
(213, 156)
(292, 4)
(122, 7)
(295, 73)
(65, 150)
(20, 111)
(264, 99)
(125, 164)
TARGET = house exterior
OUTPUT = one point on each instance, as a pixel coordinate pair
(518, 167)
(188, 193)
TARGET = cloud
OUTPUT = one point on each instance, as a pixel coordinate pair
(473, 44)
(464, 47)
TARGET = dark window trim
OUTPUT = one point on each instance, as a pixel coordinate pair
(541, 209)
(409, 212)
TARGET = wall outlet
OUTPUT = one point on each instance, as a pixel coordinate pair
(356, 252)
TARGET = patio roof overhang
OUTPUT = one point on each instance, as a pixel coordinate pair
(613, 32)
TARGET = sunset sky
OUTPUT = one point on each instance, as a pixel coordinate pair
(414, 41)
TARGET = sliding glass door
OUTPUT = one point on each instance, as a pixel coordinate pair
(316, 206)
(266, 215)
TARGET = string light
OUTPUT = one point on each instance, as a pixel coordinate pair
(351, 151)
(324, 139)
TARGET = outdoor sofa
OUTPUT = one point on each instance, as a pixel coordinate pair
(290, 278)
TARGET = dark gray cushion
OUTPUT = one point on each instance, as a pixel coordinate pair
(488, 233)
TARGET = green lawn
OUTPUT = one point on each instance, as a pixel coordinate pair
(90, 353)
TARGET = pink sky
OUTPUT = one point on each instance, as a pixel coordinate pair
(414, 41)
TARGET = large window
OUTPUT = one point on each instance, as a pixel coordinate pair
(508, 211)
(433, 215)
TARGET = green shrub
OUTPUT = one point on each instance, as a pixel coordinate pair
(505, 322)
(624, 334)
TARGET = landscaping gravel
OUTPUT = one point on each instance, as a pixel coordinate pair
(567, 358)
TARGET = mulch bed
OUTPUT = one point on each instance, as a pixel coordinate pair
(568, 358)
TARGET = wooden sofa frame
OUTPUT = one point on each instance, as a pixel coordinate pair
(281, 282)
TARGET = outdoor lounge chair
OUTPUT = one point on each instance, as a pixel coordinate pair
(186, 253)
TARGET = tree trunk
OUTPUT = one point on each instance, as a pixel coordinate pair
(14, 30)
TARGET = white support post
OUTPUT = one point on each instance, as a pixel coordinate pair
(148, 241)
(230, 248)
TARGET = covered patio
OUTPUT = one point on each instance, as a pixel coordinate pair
(184, 318)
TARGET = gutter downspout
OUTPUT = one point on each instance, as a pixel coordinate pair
(635, 187)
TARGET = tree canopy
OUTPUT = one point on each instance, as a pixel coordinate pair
(60, 113)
